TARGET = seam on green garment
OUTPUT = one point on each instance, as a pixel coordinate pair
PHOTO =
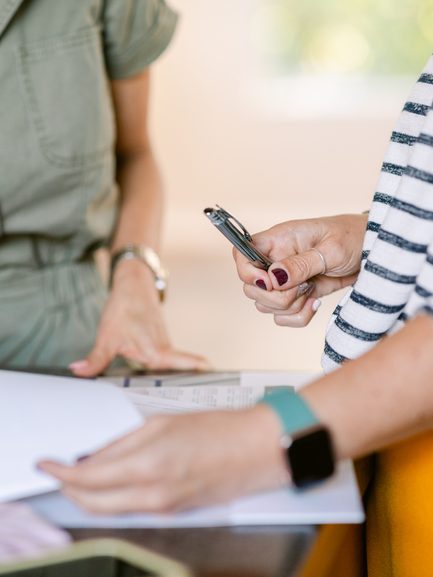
(4, 11)
(35, 52)
(45, 46)
(155, 27)
(155, 42)
(2, 222)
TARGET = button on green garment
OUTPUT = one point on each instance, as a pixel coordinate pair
(58, 194)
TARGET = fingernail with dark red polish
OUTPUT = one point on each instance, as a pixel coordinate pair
(281, 275)
(261, 284)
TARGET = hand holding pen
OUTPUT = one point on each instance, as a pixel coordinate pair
(306, 259)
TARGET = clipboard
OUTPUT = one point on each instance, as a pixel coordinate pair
(101, 558)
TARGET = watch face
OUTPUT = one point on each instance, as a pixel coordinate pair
(310, 457)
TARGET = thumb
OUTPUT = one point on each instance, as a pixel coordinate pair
(299, 268)
(94, 364)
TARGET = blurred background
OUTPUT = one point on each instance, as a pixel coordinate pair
(275, 109)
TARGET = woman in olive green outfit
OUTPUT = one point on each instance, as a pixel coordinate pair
(77, 173)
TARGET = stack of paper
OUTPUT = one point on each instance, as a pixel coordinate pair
(61, 418)
(195, 392)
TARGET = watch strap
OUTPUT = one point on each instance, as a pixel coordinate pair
(292, 410)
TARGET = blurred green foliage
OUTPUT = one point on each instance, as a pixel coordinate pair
(393, 37)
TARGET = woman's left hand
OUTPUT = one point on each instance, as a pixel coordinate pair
(177, 462)
(132, 326)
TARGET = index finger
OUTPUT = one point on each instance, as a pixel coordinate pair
(249, 273)
(100, 474)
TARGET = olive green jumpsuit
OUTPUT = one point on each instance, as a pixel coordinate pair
(58, 192)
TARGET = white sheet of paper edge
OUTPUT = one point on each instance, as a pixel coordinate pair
(336, 501)
(54, 417)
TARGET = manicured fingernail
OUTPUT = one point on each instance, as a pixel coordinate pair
(39, 466)
(316, 304)
(261, 284)
(82, 458)
(304, 288)
(281, 275)
(79, 365)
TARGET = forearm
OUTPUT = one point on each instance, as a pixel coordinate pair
(382, 397)
(140, 213)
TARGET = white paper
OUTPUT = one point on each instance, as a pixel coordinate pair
(149, 405)
(85, 415)
(335, 501)
(62, 512)
(295, 379)
(54, 417)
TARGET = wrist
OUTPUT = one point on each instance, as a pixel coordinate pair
(304, 441)
(140, 263)
(265, 432)
(131, 281)
(127, 271)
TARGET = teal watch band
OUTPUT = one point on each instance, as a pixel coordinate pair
(307, 443)
(293, 412)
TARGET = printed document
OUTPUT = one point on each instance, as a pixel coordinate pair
(195, 392)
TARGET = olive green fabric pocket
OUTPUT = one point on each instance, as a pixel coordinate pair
(68, 98)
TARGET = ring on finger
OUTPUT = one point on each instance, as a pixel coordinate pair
(322, 258)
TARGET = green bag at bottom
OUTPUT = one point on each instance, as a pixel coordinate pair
(98, 558)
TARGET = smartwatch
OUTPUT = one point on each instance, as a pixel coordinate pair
(305, 441)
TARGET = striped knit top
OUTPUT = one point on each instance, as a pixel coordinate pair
(396, 278)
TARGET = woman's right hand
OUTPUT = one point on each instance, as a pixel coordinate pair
(291, 288)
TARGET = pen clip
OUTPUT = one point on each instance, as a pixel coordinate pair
(230, 217)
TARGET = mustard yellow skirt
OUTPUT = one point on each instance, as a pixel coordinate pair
(400, 511)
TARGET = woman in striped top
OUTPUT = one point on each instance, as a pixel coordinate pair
(382, 398)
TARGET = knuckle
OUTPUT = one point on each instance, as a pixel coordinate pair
(285, 300)
(300, 267)
(261, 308)
(291, 320)
(133, 470)
(92, 506)
(154, 356)
(161, 500)
(281, 320)
(156, 423)
(301, 320)
(247, 289)
(296, 307)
